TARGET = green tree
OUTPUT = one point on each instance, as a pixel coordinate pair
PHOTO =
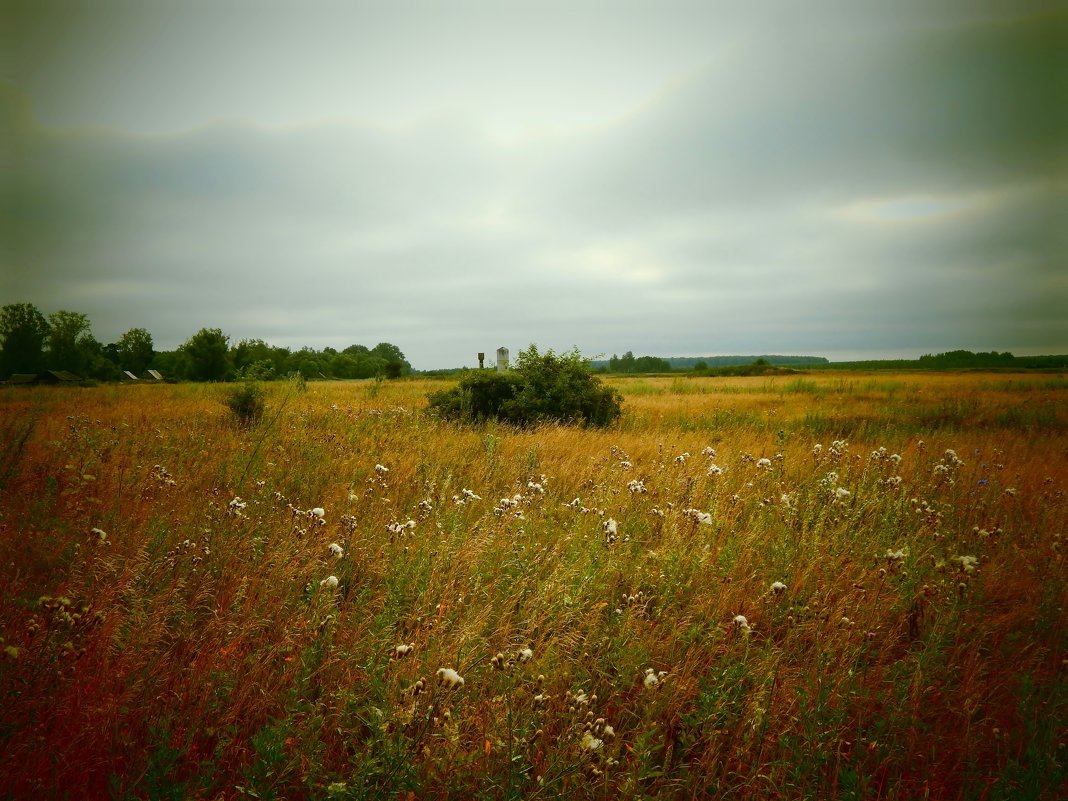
(395, 364)
(541, 387)
(23, 330)
(208, 355)
(135, 350)
(70, 341)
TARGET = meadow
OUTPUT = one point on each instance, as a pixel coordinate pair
(813, 586)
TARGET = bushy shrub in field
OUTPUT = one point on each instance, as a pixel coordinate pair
(247, 403)
(542, 387)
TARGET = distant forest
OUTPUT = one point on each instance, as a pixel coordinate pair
(31, 343)
(950, 360)
(629, 363)
(958, 360)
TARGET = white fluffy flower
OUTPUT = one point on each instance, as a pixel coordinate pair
(381, 469)
(967, 563)
(590, 743)
(778, 587)
(702, 518)
(652, 677)
(337, 550)
(319, 512)
(526, 655)
(449, 678)
(330, 582)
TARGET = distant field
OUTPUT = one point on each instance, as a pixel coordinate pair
(894, 544)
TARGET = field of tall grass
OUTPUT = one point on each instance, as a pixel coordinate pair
(817, 586)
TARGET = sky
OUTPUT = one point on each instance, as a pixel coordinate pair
(846, 179)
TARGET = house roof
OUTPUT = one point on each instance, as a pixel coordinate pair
(64, 375)
(22, 378)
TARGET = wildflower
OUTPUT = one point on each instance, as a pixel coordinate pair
(740, 621)
(400, 528)
(778, 587)
(611, 529)
(708, 451)
(470, 496)
(538, 488)
(682, 457)
(636, 486)
(402, 650)
(100, 534)
(526, 655)
(652, 677)
(625, 465)
(449, 678)
(381, 469)
(319, 512)
(841, 493)
(967, 563)
(590, 743)
(763, 463)
(236, 506)
(715, 470)
(702, 518)
(330, 582)
(336, 550)
(896, 556)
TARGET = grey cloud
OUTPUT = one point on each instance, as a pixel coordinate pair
(841, 188)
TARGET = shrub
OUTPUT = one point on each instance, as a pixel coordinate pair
(247, 403)
(543, 387)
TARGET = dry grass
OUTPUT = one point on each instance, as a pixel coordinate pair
(194, 653)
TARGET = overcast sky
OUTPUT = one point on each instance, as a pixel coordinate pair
(842, 179)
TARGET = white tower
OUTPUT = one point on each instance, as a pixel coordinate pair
(502, 359)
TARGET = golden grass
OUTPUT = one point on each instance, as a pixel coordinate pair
(194, 653)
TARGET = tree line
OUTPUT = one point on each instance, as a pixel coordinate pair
(629, 363)
(30, 342)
